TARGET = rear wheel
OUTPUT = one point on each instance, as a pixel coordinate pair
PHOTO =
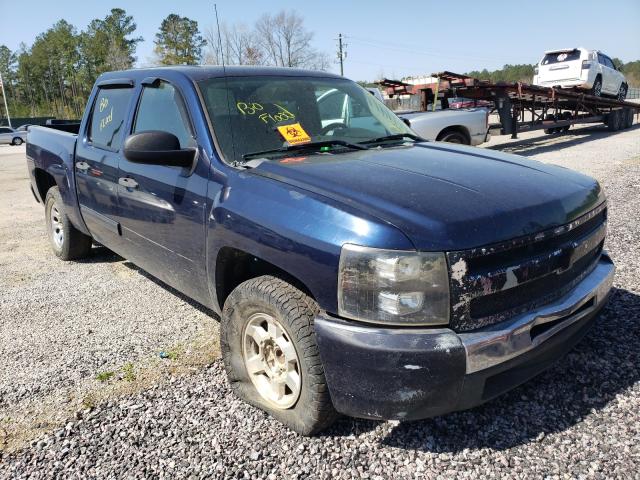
(271, 356)
(596, 90)
(17, 141)
(454, 136)
(67, 242)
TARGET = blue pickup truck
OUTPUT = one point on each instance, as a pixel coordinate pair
(357, 269)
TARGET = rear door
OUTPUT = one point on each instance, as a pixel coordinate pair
(162, 208)
(98, 153)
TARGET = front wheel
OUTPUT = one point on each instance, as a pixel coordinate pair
(270, 353)
(67, 242)
(17, 141)
(622, 93)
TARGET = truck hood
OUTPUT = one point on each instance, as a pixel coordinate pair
(445, 197)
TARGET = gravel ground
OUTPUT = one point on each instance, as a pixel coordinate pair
(60, 326)
(580, 419)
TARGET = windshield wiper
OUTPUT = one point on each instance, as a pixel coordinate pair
(397, 136)
(306, 146)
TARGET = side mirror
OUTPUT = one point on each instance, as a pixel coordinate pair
(406, 121)
(155, 147)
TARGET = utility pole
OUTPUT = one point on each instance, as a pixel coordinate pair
(342, 53)
(4, 95)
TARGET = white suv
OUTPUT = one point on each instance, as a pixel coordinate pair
(578, 67)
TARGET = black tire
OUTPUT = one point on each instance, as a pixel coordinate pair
(596, 89)
(566, 116)
(295, 312)
(622, 92)
(630, 114)
(17, 141)
(550, 131)
(454, 136)
(72, 244)
(614, 120)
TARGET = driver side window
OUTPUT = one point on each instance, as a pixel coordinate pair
(161, 108)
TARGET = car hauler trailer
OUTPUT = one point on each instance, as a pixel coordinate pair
(522, 107)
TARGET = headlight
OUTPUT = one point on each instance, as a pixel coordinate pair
(393, 286)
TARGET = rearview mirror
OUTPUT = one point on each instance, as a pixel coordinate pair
(155, 147)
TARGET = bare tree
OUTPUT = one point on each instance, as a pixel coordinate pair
(213, 54)
(279, 40)
(239, 45)
(287, 43)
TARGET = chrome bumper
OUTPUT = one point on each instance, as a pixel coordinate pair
(496, 344)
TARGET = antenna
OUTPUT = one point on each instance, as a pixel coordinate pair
(226, 84)
(215, 7)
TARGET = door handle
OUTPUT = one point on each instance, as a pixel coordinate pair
(84, 166)
(127, 182)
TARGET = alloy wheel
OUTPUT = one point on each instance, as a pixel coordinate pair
(57, 229)
(271, 361)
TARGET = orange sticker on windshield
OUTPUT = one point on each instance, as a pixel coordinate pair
(294, 134)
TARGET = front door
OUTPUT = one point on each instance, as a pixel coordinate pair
(96, 163)
(162, 208)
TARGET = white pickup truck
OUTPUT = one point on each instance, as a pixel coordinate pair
(469, 126)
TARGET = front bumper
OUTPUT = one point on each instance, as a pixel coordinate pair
(413, 373)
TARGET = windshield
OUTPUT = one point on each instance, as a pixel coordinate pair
(262, 113)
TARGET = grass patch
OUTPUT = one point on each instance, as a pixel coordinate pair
(174, 353)
(105, 376)
(128, 372)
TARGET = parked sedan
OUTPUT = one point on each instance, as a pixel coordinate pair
(12, 137)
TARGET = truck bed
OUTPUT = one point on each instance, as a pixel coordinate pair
(50, 158)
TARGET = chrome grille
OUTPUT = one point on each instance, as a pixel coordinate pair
(493, 283)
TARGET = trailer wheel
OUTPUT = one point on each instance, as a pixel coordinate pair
(550, 131)
(596, 90)
(614, 120)
(566, 116)
(628, 117)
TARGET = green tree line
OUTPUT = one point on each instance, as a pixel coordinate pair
(54, 76)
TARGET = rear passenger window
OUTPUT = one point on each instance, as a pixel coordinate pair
(107, 118)
(161, 108)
